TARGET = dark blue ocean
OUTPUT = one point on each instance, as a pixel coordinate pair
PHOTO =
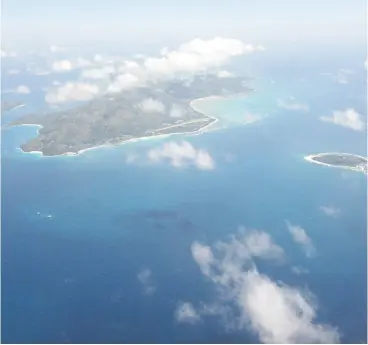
(76, 231)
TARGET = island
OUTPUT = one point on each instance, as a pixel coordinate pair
(10, 105)
(340, 160)
(114, 118)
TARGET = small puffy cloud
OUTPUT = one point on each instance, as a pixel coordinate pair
(57, 49)
(250, 118)
(190, 58)
(62, 66)
(14, 71)
(7, 54)
(341, 77)
(240, 249)
(129, 66)
(98, 73)
(280, 313)
(224, 74)
(81, 63)
(203, 256)
(186, 313)
(292, 105)
(22, 89)
(72, 91)
(164, 51)
(177, 111)
(230, 157)
(300, 236)
(181, 155)
(196, 56)
(274, 311)
(145, 277)
(123, 82)
(151, 105)
(330, 211)
(348, 118)
(97, 58)
(299, 270)
(260, 244)
(39, 71)
(131, 158)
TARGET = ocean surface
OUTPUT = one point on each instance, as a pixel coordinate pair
(77, 231)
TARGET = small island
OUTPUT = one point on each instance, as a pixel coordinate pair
(340, 160)
(158, 109)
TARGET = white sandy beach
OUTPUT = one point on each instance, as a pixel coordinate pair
(154, 137)
(17, 107)
(160, 136)
(310, 158)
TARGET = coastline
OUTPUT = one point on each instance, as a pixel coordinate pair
(159, 136)
(310, 158)
(16, 107)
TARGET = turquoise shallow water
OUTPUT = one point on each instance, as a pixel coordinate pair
(76, 234)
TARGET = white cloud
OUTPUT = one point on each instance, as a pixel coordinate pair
(14, 71)
(292, 105)
(276, 312)
(62, 66)
(196, 56)
(151, 105)
(145, 277)
(6, 54)
(299, 270)
(81, 63)
(177, 111)
(181, 155)
(130, 66)
(131, 158)
(224, 74)
(190, 58)
(56, 49)
(22, 89)
(239, 249)
(97, 58)
(348, 118)
(124, 81)
(341, 77)
(98, 73)
(300, 236)
(230, 157)
(330, 211)
(186, 313)
(203, 256)
(281, 314)
(38, 71)
(72, 92)
(260, 244)
(250, 118)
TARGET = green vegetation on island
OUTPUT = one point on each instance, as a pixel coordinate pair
(156, 109)
(341, 160)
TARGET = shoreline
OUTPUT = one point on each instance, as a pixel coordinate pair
(159, 136)
(15, 107)
(310, 158)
